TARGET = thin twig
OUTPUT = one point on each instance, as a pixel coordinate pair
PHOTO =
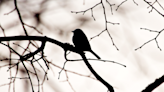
(154, 8)
(62, 69)
(33, 28)
(10, 11)
(88, 10)
(69, 82)
(135, 2)
(110, 6)
(98, 60)
(120, 4)
(155, 38)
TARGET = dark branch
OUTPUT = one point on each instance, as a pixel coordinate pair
(110, 88)
(154, 85)
(154, 8)
(20, 18)
(135, 2)
(65, 46)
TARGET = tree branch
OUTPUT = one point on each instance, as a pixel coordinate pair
(110, 88)
(154, 85)
(65, 46)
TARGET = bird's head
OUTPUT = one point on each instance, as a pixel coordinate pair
(77, 31)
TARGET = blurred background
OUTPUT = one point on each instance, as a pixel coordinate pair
(57, 18)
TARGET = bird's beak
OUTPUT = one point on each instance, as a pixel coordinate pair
(73, 31)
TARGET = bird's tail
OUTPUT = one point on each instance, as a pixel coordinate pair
(95, 54)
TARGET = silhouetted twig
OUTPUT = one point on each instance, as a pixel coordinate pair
(20, 18)
(87, 10)
(155, 38)
(135, 2)
(151, 5)
(69, 82)
(110, 6)
(98, 60)
(10, 11)
(120, 4)
(33, 28)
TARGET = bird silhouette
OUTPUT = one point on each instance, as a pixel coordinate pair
(81, 42)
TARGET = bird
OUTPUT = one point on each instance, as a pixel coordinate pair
(81, 42)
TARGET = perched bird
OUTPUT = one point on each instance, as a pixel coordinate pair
(81, 42)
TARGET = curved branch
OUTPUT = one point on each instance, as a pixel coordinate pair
(153, 85)
(110, 88)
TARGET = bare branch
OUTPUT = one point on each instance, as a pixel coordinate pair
(106, 28)
(151, 5)
(135, 2)
(20, 18)
(110, 6)
(155, 38)
(87, 10)
(120, 4)
(71, 71)
(62, 69)
(98, 60)
(154, 85)
(69, 82)
(34, 28)
(10, 11)
(110, 88)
